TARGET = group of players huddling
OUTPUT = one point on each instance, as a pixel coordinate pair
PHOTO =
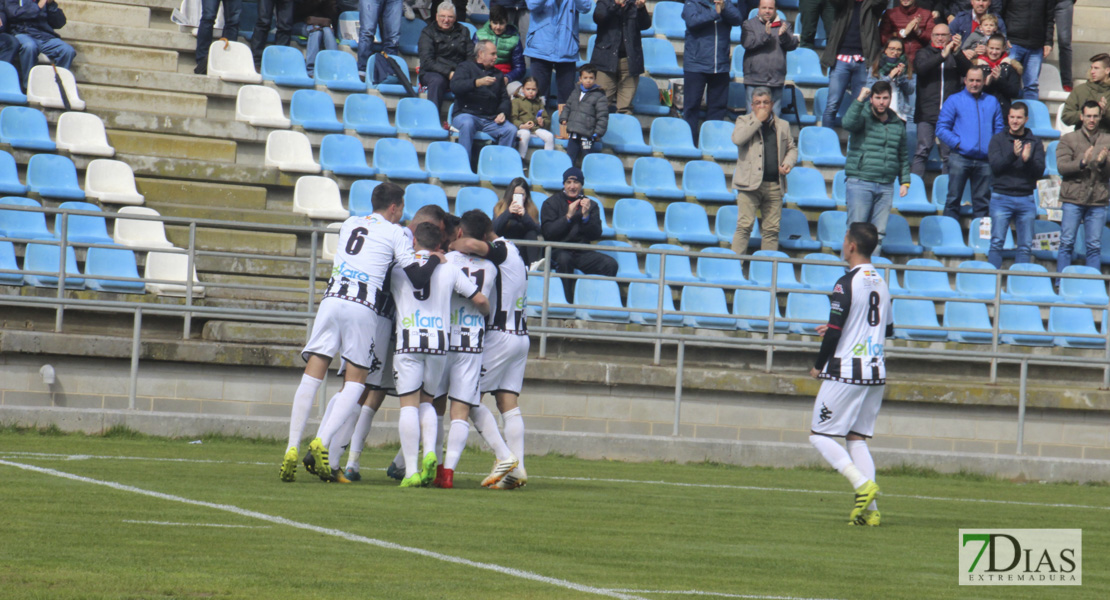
(440, 326)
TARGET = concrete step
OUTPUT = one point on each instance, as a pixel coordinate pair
(196, 127)
(253, 333)
(196, 170)
(264, 267)
(261, 289)
(132, 37)
(202, 194)
(228, 214)
(119, 15)
(125, 57)
(170, 80)
(127, 100)
(230, 240)
(172, 146)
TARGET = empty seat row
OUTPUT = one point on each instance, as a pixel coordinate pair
(55, 177)
(78, 133)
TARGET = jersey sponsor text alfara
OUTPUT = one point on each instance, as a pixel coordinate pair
(468, 325)
(860, 309)
(423, 314)
(368, 248)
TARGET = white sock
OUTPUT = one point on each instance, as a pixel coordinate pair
(303, 400)
(861, 457)
(408, 426)
(514, 433)
(358, 438)
(342, 439)
(328, 411)
(428, 430)
(399, 460)
(440, 439)
(456, 441)
(487, 428)
(346, 404)
(838, 457)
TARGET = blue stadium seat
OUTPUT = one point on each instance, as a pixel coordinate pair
(821, 98)
(344, 155)
(898, 241)
(607, 232)
(794, 231)
(470, 28)
(820, 146)
(737, 98)
(916, 201)
(672, 138)
(1080, 248)
(753, 307)
(715, 139)
(823, 277)
(552, 126)
(410, 36)
(803, 67)
(7, 263)
(979, 286)
(605, 175)
(448, 162)
(645, 295)
(391, 85)
(688, 223)
(55, 177)
(627, 264)
(314, 111)
(794, 107)
(982, 245)
(555, 295)
(646, 101)
(599, 292)
(625, 135)
(475, 198)
(10, 92)
(678, 267)
(9, 175)
(112, 262)
(927, 284)
(654, 178)
(705, 181)
(1043, 226)
(635, 219)
(724, 225)
(1050, 159)
(909, 314)
(499, 165)
(890, 275)
(358, 201)
(667, 20)
(960, 316)
(832, 225)
(940, 195)
(1083, 291)
(707, 300)
(45, 258)
(1070, 320)
(759, 272)
(1029, 288)
(25, 128)
(725, 270)
(367, 115)
(840, 188)
(586, 22)
(1025, 319)
(1040, 121)
(546, 168)
(941, 235)
(82, 229)
(806, 188)
(419, 195)
(810, 307)
(737, 69)
(659, 59)
(397, 159)
(337, 71)
(249, 14)
(419, 118)
(285, 66)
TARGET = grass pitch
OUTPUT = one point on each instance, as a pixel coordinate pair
(147, 517)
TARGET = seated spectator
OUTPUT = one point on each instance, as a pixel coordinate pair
(313, 19)
(618, 52)
(977, 40)
(268, 12)
(1003, 73)
(1017, 161)
(442, 46)
(893, 66)
(516, 217)
(570, 217)
(9, 46)
(208, 11)
(481, 102)
(1096, 89)
(528, 117)
(585, 116)
(766, 41)
(967, 20)
(516, 12)
(510, 51)
(33, 25)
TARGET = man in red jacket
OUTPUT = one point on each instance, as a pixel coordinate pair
(908, 22)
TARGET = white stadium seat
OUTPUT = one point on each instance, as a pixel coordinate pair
(1051, 88)
(140, 234)
(42, 88)
(318, 197)
(111, 181)
(232, 63)
(172, 267)
(260, 106)
(331, 242)
(290, 151)
(1060, 126)
(83, 133)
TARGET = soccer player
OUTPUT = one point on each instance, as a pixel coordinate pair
(347, 319)
(420, 356)
(853, 371)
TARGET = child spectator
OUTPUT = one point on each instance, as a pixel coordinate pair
(893, 66)
(1003, 73)
(977, 40)
(585, 117)
(516, 217)
(528, 117)
(510, 52)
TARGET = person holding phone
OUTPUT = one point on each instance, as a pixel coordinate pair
(515, 217)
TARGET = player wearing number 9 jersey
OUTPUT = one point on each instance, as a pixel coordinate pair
(852, 365)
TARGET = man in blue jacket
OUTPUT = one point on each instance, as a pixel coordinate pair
(706, 60)
(552, 44)
(33, 24)
(966, 124)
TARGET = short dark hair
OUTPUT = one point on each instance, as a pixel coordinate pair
(450, 224)
(997, 37)
(1101, 57)
(428, 236)
(1019, 106)
(588, 68)
(498, 14)
(431, 213)
(475, 224)
(1090, 104)
(881, 87)
(386, 195)
(866, 237)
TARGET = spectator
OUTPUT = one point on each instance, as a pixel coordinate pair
(977, 40)
(967, 123)
(515, 11)
(528, 118)
(893, 67)
(1064, 13)
(268, 11)
(383, 15)
(853, 43)
(9, 46)
(618, 52)
(908, 22)
(1003, 73)
(1017, 161)
(443, 45)
(766, 41)
(705, 62)
(811, 11)
(1081, 160)
(1097, 89)
(314, 20)
(967, 21)
(553, 44)
(939, 67)
(570, 217)
(481, 102)
(516, 217)
(510, 52)
(877, 155)
(208, 11)
(951, 9)
(766, 153)
(33, 25)
(1029, 25)
(585, 117)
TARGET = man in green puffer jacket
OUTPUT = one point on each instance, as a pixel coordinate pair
(877, 156)
(1097, 88)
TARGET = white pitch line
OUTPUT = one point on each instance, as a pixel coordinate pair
(570, 585)
(169, 523)
(714, 594)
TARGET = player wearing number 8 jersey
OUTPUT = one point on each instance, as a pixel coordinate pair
(853, 369)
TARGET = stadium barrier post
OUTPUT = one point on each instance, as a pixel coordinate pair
(59, 314)
(1021, 407)
(771, 312)
(190, 266)
(997, 320)
(312, 272)
(543, 301)
(678, 386)
(1106, 346)
(135, 346)
(659, 310)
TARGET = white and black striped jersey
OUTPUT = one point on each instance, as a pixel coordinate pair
(468, 326)
(507, 303)
(860, 312)
(369, 247)
(423, 313)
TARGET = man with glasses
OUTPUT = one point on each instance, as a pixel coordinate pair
(939, 67)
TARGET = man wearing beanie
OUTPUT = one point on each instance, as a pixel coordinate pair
(568, 216)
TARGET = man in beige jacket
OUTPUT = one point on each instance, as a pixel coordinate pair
(766, 154)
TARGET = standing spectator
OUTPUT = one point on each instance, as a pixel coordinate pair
(967, 123)
(812, 11)
(1064, 12)
(892, 66)
(268, 12)
(528, 118)
(967, 21)
(1017, 161)
(384, 15)
(766, 41)
(951, 9)
(705, 62)
(481, 102)
(766, 153)
(1029, 25)
(516, 217)
(1097, 89)
(618, 52)
(33, 25)
(853, 44)
(443, 45)
(877, 155)
(585, 117)
(315, 19)
(908, 22)
(9, 46)
(1003, 73)
(939, 67)
(208, 11)
(570, 217)
(1081, 160)
(552, 44)
(510, 51)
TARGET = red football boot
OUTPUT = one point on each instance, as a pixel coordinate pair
(447, 480)
(439, 476)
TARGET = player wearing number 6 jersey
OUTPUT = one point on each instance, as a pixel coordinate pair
(852, 366)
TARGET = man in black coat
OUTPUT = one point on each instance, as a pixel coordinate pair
(442, 46)
(618, 53)
(1029, 27)
(940, 66)
(568, 216)
(1017, 161)
(481, 102)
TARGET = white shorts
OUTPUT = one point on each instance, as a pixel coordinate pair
(347, 328)
(843, 408)
(413, 371)
(504, 356)
(461, 375)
